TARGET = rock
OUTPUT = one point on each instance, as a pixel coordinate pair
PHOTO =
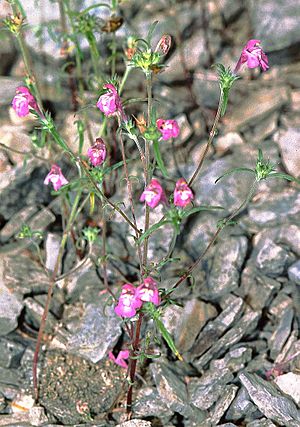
(241, 406)
(37, 416)
(271, 259)
(10, 353)
(11, 306)
(289, 142)
(263, 422)
(245, 325)
(214, 329)
(224, 275)
(270, 401)
(206, 89)
(223, 403)
(192, 319)
(52, 245)
(72, 389)
(148, 403)
(275, 209)
(281, 333)
(173, 392)
(8, 89)
(227, 142)
(257, 106)
(96, 333)
(185, 128)
(135, 423)
(294, 272)
(263, 129)
(234, 360)
(207, 389)
(276, 24)
(290, 384)
(12, 227)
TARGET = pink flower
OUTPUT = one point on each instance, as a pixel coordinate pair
(23, 100)
(97, 152)
(168, 128)
(153, 194)
(110, 102)
(148, 291)
(128, 302)
(253, 55)
(56, 178)
(183, 195)
(119, 360)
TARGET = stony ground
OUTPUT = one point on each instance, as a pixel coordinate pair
(238, 324)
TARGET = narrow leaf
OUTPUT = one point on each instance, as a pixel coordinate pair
(199, 209)
(152, 229)
(283, 176)
(159, 159)
(151, 31)
(167, 337)
(229, 172)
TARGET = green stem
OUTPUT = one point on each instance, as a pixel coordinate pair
(215, 236)
(95, 58)
(72, 217)
(113, 55)
(147, 164)
(210, 139)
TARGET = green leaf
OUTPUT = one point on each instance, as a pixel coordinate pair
(151, 31)
(152, 229)
(88, 9)
(167, 337)
(283, 176)
(185, 214)
(234, 170)
(115, 166)
(159, 159)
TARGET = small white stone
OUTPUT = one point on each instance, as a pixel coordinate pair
(290, 384)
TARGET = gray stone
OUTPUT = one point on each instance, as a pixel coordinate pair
(11, 306)
(245, 325)
(37, 416)
(12, 227)
(223, 403)
(148, 403)
(52, 245)
(294, 272)
(214, 329)
(257, 106)
(173, 392)
(96, 333)
(241, 406)
(276, 23)
(276, 209)
(194, 316)
(206, 89)
(271, 259)
(207, 389)
(224, 275)
(227, 142)
(263, 422)
(270, 401)
(234, 360)
(289, 141)
(281, 333)
(10, 353)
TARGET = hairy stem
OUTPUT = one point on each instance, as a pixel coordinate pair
(210, 140)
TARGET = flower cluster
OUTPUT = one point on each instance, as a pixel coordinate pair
(23, 100)
(253, 55)
(132, 298)
(154, 194)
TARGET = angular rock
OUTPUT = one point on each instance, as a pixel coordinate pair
(52, 245)
(11, 306)
(276, 23)
(10, 353)
(271, 259)
(227, 142)
(224, 276)
(214, 329)
(274, 405)
(241, 406)
(96, 333)
(223, 403)
(148, 403)
(281, 333)
(135, 423)
(289, 141)
(294, 272)
(173, 392)
(234, 360)
(245, 325)
(290, 384)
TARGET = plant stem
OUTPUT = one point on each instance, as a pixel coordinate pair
(210, 139)
(147, 164)
(133, 362)
(72, 217)
(218, 231)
